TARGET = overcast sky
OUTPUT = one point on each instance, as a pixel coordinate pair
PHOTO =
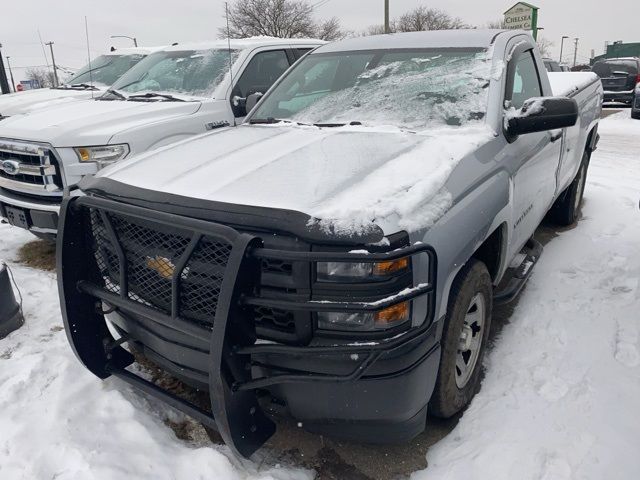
(161, 22)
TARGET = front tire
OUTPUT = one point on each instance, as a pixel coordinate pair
(566, 209)
(464, 338)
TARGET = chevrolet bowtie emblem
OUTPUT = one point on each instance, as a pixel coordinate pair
(161, 265)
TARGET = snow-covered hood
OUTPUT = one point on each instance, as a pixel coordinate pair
(348, 177)
(30, 100)
(90, 122)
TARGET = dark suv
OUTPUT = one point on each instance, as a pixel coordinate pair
(619, 78)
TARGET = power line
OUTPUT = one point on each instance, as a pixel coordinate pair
(319, 4)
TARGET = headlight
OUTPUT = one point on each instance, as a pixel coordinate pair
(103, 154)
(380, 320)
(360, 271)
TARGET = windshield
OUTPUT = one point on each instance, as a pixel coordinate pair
(411, 89)
(187, 72)
(611, 68)
(105, 69)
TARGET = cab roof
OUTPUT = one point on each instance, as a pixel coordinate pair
(134, 50)
(243, 43)
(470, 38)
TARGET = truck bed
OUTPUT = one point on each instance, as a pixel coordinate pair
(567, 84)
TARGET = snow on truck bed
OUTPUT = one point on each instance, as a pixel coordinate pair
(565, 83)
(559, 400)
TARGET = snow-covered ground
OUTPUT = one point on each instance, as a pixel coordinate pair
(559, 401)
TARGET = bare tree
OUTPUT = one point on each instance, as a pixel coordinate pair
(277, 18)
(419, 19)
(42, 76)
(379, 29)
(423, 18)
(330, 30)
(544, 45)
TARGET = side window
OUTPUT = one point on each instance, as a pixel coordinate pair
(301, 52)
(261, 72)
(526, 82)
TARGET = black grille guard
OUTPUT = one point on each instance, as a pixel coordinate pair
(235, 412)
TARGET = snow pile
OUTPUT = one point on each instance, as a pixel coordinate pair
(565, 83)
(407, 191)
(562, 386)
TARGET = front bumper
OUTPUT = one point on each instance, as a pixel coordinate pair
(29, 213)
(379, 389)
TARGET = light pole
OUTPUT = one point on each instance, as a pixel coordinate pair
(135, 41)
(575, 50)
(56, 82)
(561, 45)
(13, 82)
(386, 17)
(4, 84)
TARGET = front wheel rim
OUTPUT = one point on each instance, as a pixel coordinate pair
(470, 340)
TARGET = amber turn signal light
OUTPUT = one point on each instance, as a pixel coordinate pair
(391, 266)
(397, 313)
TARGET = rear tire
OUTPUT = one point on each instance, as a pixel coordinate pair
(566, 209)
(464, 338)
(636, 115)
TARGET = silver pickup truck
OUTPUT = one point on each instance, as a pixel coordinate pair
(335, 258)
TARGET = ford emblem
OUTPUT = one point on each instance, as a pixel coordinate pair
(10, 166)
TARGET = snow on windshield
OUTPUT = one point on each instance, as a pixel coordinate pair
(105, 69)
(188, 72)
(412, 89)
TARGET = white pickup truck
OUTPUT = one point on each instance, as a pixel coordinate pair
(88, 82)
(172, 94)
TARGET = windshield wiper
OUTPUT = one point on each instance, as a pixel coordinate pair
(337, 124)
(113, 92)
(150, 95)
(268, 120)
(84, 86)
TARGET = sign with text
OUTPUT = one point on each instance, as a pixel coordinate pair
(522, 16)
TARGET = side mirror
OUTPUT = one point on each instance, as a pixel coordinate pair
(542, 114)
(252, 100)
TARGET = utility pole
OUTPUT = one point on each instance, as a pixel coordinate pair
(561, 45)
(386, 17)
(575, 50)
(4, 84)
(55, 70)
(13, 82)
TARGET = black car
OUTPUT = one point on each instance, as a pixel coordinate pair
(619, 78)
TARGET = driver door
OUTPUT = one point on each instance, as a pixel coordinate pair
(534, 156)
